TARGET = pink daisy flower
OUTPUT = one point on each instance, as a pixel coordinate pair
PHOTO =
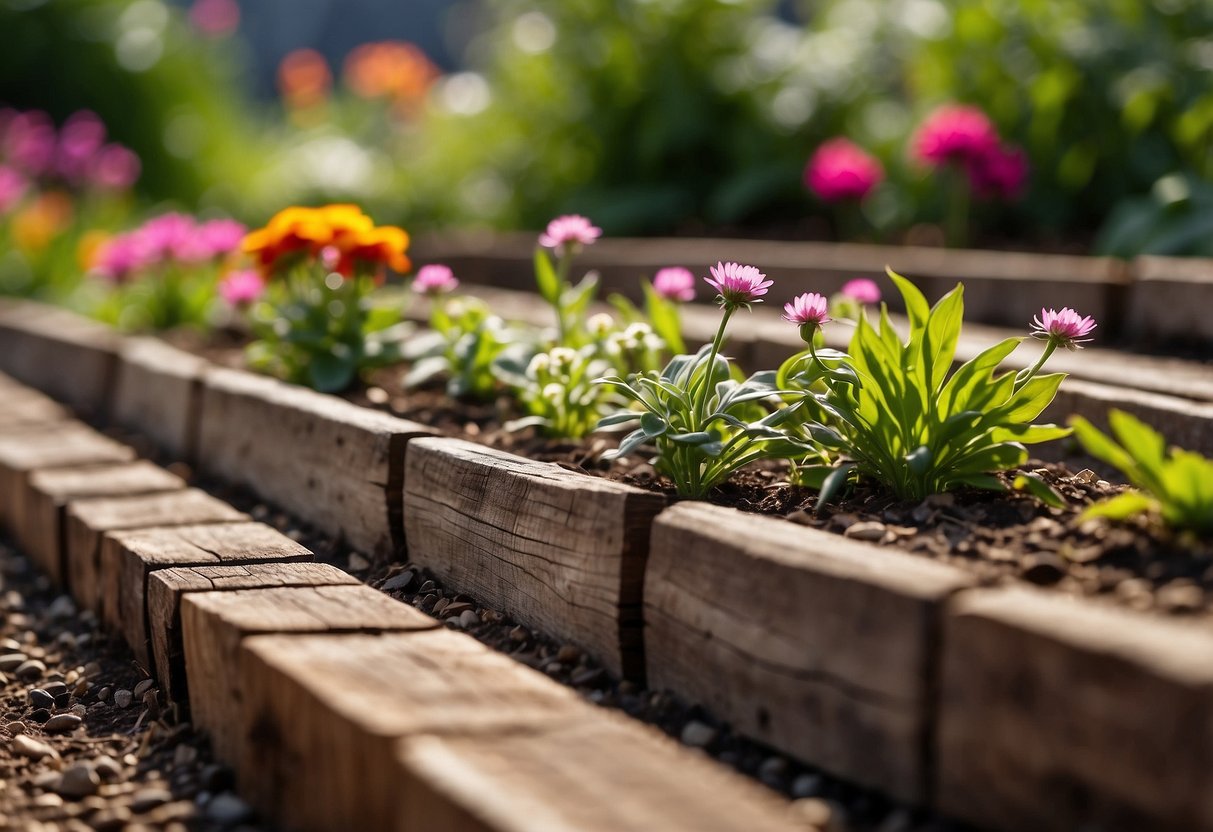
(862, 290)
(435, 279)
(114, 168)
(999, 174)
(120, 257)
(241, 287)
(841, 170)
(569, 233)
(737, 285)
(954, 133)
(1065, 328)
(675, 283)
(809, 309)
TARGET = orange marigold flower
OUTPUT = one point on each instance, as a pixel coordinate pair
(304, 78)
(340, 228)
(390, 69)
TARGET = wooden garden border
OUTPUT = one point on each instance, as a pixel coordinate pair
(910, 631)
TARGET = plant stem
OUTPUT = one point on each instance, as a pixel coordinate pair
(1026, 375)
(701, 398)
(563, 263)
(957, 226)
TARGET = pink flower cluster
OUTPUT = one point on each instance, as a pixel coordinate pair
(435, 279)
(77, 154)
(168, 238)
(569, 234)
(841, 171)
(963, 136)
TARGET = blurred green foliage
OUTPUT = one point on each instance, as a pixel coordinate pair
(172, 97)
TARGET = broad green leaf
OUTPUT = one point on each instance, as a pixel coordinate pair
(917, 307)
(1031, 399)
(545, 277)
(1102, 447)
(1029, 434)
(615, 419)
(942, 332)
(653, 425)
(629, 444)
(958, 393)
(833, 484)
(696, 438)
(1038, 488)
(424, 370)
(1146, 444)
(998, 457)
(330, 373)
(1122, 506)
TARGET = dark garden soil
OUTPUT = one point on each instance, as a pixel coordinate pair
(86, 741)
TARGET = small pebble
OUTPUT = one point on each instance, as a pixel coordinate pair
(27, 746)
(358, 562)
(147, 799)
(104, 693)
(123, 698)
(698, 734)
(143, 687)
(519, 633)
(806, 785)
(468, 618)
(400, 581)
(107, 768)
(62, 724)
(78, 781)
(228, 809)
(41, 699)
(30, 670)
(869, 530)
(15, 728)
(11, 661)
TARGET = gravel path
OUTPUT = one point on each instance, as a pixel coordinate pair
(85, 740)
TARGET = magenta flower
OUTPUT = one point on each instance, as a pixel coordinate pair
(167, 237)
(241, 287)
(809, 309)
(954, 133)
(841, 170)
(862, 290)
(213, 239)
(1063, 329)
(1001, 173)
(81, 137)
(737, 285)
(215, 18)
(12, 187)
(120, 257)
(569, 233)
(675, 283)
(115, 168)
(435, 279)
(29, 142)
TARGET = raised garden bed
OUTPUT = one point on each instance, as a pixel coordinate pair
(882, 698)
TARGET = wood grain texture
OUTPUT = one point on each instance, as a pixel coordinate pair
(67, 356)
(1059, 714)
(560, 551)
(128, 557)
(39, 528)
(158, 393)
(600, 773)
(166, 586)
(89, 520)
(320, 716)
(819, 646)
(21, 409)
(214, 624)
(337, 464)
(52, 446)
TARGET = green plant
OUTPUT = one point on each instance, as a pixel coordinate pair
(889, 411)
(704, 422)
(1175, 484)
(463, 342)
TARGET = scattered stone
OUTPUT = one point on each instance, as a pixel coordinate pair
(588, 676)
(145, 800)
(401, 581)
(568, 654)
(40, 699)
(519, 634)
(30, 670)
(143, 687)
(806, 785)
(62, 724)
(869, 530)
(62, 607)
(123, 698)
(104, 693)
(698, 734)
(11, 661)
(107, 768)
(16, 727)
(228, 809)
(27, 746)
(40, 715)
(358, 562)
(468, 618)
(1181, 597)
(1044, 569)
(78, 781)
